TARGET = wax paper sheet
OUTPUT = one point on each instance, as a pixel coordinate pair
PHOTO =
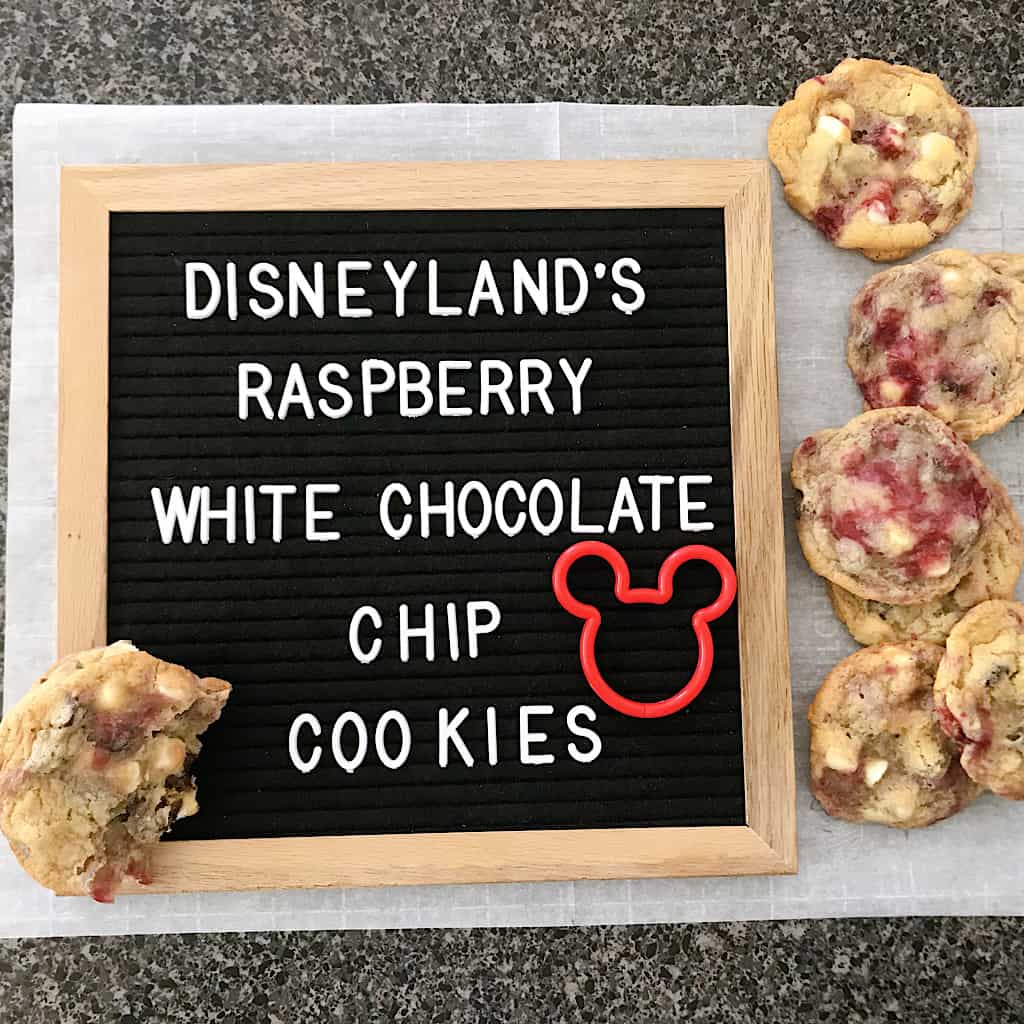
(968, 865)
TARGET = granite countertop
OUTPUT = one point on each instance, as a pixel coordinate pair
(631, 51)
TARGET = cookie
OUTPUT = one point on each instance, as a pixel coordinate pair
(94, 765)
(877, 751)
(879, 157)
(993, 574)
(979, 695)
(945, 333)
(892, 506)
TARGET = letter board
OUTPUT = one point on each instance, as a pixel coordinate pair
(403, 452)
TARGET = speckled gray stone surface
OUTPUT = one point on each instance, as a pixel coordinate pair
(872, 971)
(642, 51)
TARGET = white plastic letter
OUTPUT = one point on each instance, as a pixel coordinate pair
(686, 506)
(380, 735)
(295, 392)
(446, 390)
(527, 738)
(400, 282)
(174, 514)
(315, 515)
(419, 386)
(548, 528)
(448, 733)
(572, 721)
(625, 507)
(576, 379)
(627, 306)
(476, 627)
(426, 632)
(349, 764)
(257, 272)
(304, 765)
(485, 289)
(379, 386)
(325, 379)
(312, 292)
(401, 491)
(538, 387)
(499, 389)
(434, 308)
(563, 264)
(363, 655)
(347, 291)
(193, 311)
(536, 288)
(248, 391)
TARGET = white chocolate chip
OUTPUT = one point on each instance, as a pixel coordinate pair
(111, 695)
(874, 770)
(891, 390)
(841, 758)
(877, 213)
(124, 775)
(951, 278)
(939, 567)
(166, 756)
(832, 126)
(938, 158)
(895, 539)
(935, 146)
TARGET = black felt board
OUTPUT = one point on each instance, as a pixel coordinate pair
(273, 618)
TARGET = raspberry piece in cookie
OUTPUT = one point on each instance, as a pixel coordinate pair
(945, 333)
(879, 157)
(892, 507)
(993, 574)
(979, 695)
(94, 765)
(877, 751)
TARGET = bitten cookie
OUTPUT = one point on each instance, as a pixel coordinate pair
(878, 156)
(891, 507)
(993, 574)
(877, 751)
(979, 695)
(945, 333)
(94, 765)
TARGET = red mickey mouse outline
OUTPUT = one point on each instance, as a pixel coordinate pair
(644, 595)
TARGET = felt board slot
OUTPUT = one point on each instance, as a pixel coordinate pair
(661, 397)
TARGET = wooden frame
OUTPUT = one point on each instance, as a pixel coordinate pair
(767, 843)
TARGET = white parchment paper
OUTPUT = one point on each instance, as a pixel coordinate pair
(968, 865)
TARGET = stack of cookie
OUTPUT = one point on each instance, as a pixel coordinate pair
(919, 544)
